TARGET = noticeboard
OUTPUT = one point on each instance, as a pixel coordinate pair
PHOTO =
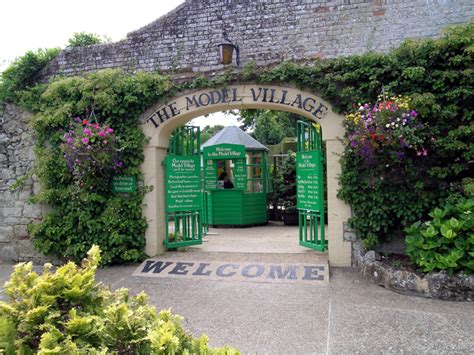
(210, 175)
(183, 183)
(240, 174)
(123, 183)
(309, 183)
(224, 151)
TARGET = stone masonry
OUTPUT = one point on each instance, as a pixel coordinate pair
(16, 161)
(267, 31)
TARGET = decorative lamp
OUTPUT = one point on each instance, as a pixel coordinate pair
(227, 51)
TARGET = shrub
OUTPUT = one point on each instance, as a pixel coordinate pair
(67, 312)
(446, 242)
(80, 39)
(285, 184)
(384, 167)
(23, 73)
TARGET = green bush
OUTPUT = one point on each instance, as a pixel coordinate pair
(89, 213)
(446, 242)
(24, 73)
(80, 39)
(437, 76)
(67, 312)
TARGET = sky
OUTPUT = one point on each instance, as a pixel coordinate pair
(33, 24)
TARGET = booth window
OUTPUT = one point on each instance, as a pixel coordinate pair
(254, 172)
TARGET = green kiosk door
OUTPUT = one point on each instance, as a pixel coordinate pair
(184, 199)
(310, 186)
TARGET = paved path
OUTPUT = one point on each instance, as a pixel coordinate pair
(347, 316)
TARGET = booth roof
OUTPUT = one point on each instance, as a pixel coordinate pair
(234, 135)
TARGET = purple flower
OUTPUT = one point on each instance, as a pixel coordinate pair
(87, 132)
(85, 140)
(413, 113)
(69, 140)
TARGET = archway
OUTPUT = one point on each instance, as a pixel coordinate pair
(160, 120)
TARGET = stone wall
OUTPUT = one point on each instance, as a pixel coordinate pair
(16, 161)
(267, 31)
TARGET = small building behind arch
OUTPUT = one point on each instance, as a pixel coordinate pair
(236, 181)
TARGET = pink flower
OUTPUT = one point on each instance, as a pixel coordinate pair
(101, 134)
(423, 152)
(87, 132)
(109, 130)
(104, 141)
(85, 140)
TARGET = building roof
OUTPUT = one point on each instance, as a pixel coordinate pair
(234, 135)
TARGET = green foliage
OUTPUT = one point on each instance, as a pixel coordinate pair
(208, 131)
(80, 39)
(83, 215)
(67, 312)
(437, 76)
(446, 242)
(285, 183)
(23, 73)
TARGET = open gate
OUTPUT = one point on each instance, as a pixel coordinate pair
(184, 197)
(310, 186)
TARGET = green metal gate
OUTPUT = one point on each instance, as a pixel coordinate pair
(310, 186)
(184, 198)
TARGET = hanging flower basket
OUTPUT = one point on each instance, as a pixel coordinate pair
(91, 151)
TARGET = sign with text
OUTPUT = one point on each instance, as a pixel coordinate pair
(240, 174)
(123, 183)
(309, 183)
(183, 183)
(246, 94)
(224, 151)
(210, 175)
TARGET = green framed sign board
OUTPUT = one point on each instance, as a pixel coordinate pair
(123, 183)
(183, 183)
(309, 181)
(224, 151)
(240, 174)
(210, 174)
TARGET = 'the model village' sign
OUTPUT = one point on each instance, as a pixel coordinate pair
(260, 94)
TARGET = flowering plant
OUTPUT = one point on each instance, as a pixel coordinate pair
(387, 132)
(90, 150)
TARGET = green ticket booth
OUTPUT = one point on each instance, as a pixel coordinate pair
(235, 179)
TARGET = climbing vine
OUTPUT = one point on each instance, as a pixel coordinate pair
(436, 76)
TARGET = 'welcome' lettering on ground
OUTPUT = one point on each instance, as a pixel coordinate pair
(234, 271)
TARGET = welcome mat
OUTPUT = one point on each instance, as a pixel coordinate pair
(313, 274)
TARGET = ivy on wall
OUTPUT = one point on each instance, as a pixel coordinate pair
(85, 215)
(436, 74)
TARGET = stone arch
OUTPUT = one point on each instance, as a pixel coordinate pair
(160, 120)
